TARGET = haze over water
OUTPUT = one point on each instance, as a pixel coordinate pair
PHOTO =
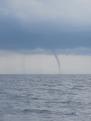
(45, 98)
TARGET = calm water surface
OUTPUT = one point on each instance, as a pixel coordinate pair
(45, 98)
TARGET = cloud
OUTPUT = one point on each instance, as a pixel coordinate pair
(43, 63)
(43, 24)
(66, 51)
(32, 11)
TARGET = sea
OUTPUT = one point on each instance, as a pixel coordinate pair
(45, 97)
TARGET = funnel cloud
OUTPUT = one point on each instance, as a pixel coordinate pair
(58, 61)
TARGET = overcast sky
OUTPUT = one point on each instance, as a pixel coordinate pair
(41, 26)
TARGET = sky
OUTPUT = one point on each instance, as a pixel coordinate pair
(31, 30)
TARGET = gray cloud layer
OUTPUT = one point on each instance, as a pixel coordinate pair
(50, 24)
(72, 11)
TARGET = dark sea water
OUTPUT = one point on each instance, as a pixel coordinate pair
(45, 98)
